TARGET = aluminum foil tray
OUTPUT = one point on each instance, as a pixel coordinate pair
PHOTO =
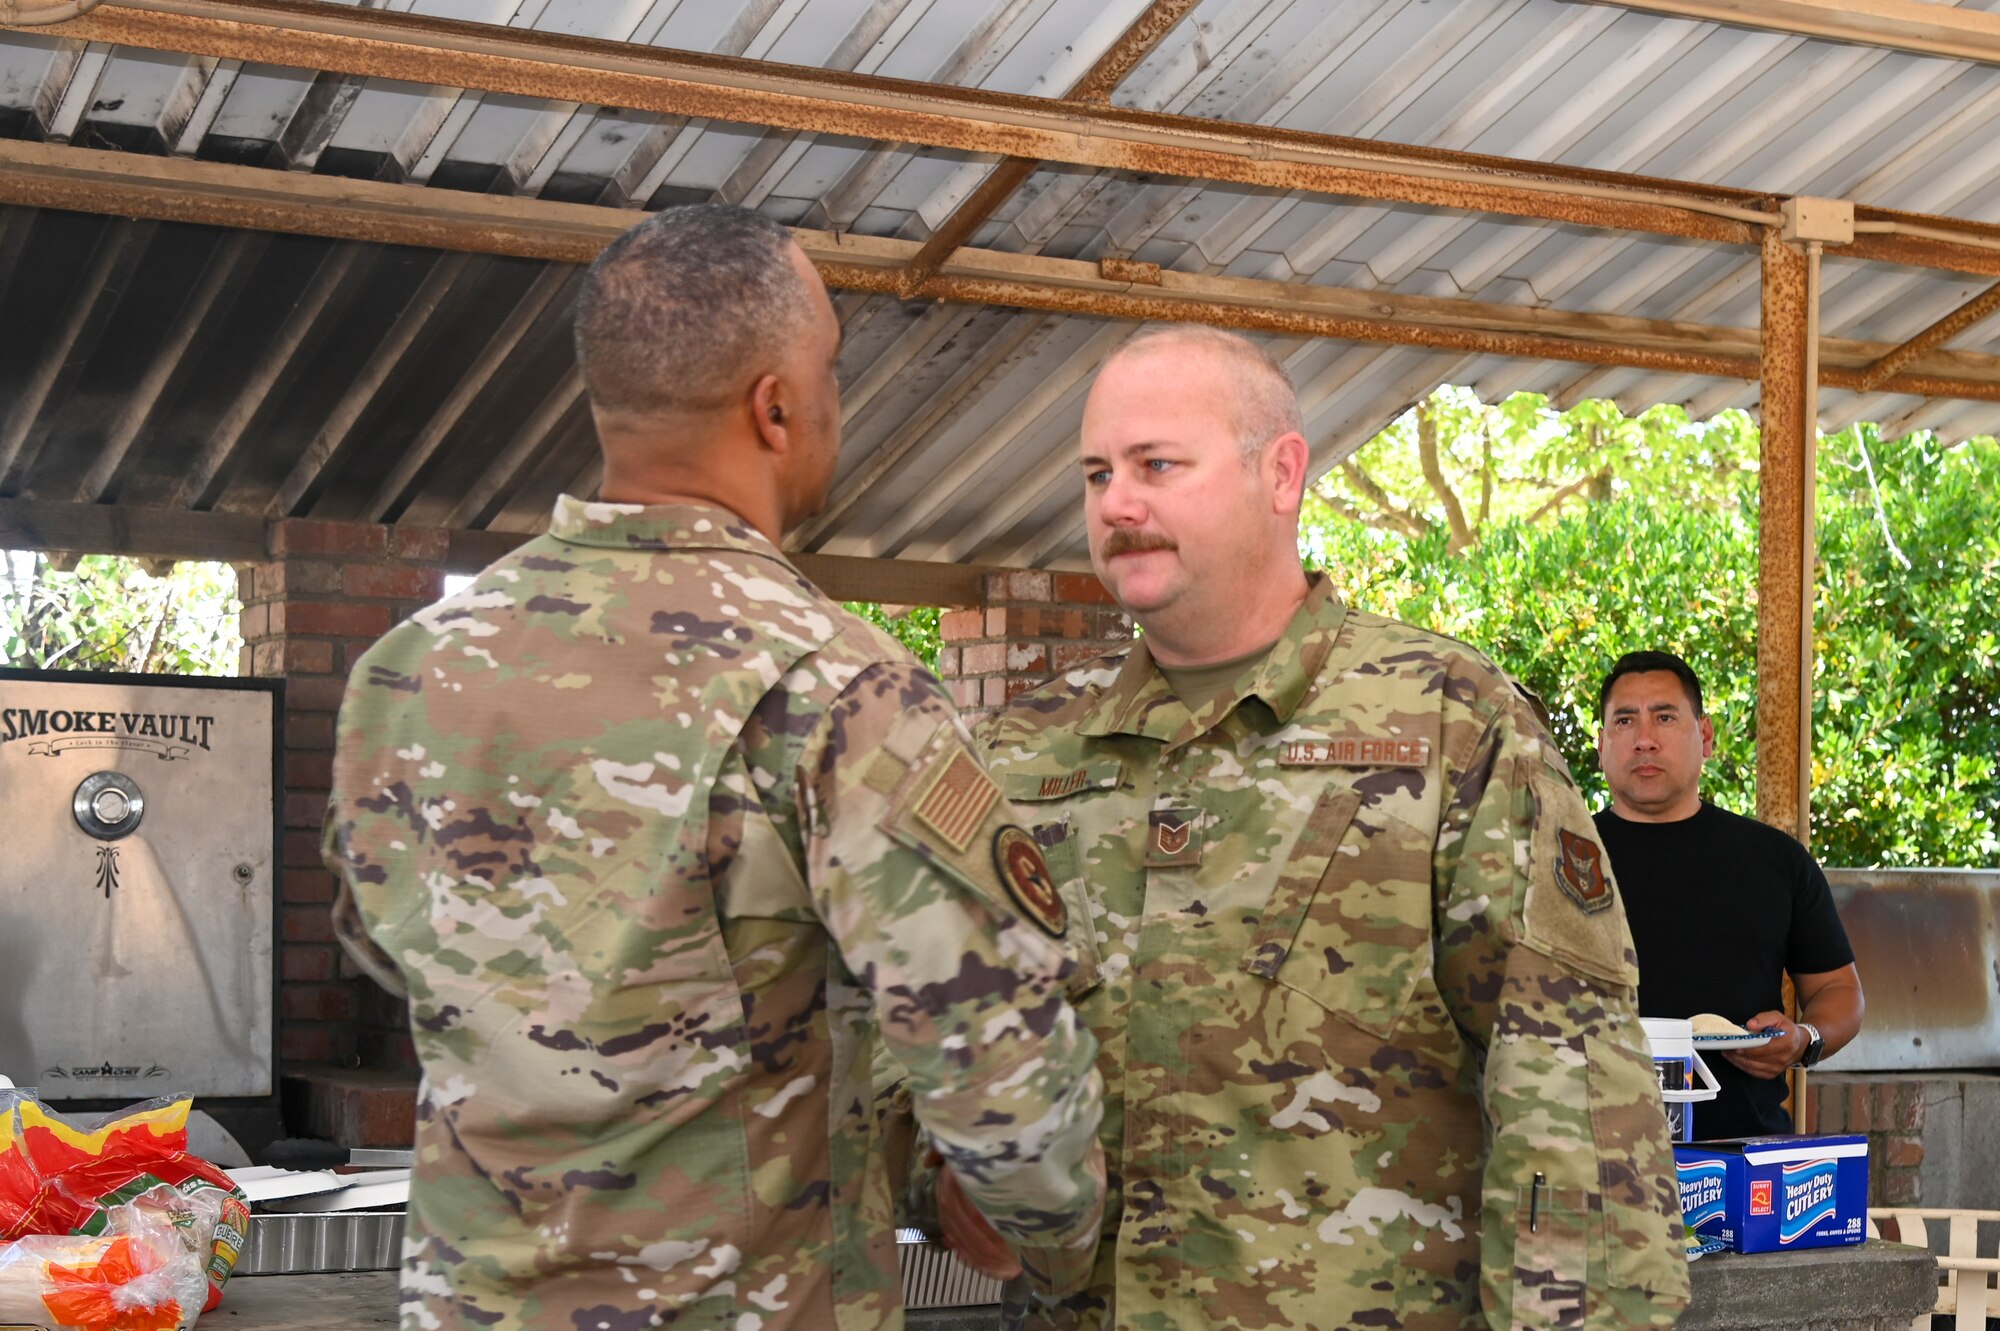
(322, 1241)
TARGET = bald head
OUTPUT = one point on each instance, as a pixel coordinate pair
(681, 314)
(1262, 405)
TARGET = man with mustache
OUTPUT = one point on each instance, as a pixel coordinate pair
(660, 841)
(1362, 990)
(1721, 906)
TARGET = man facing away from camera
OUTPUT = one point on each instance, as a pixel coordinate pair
(658, 840)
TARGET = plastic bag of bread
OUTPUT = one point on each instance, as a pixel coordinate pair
(112, 1225)
(127, 1281)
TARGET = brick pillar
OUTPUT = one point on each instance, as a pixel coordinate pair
(329, 590)
(1889, 1109)
(1033, 625)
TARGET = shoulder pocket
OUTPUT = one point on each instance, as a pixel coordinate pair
(1059, 843)
(1348, 922)
(1570, 910)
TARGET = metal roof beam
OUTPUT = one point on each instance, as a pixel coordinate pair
(1097, 84)
(173, 189)
(333, 433)
(1976, 310)
(559, 67)
(1898, 25)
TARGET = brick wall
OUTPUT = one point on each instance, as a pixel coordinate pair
(1889, 1110)
(1034, 624)
(329, 590)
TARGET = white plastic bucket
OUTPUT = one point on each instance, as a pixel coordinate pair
(1684, 1079)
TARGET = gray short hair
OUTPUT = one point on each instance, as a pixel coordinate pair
(682, 312)
(1266, 404)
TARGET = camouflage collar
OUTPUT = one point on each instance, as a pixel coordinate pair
(657, 527)
(1138, 703)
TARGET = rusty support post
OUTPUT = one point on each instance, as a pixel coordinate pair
(1781, 549)
(1939, 333)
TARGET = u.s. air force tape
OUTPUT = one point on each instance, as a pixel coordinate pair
(1026, 874)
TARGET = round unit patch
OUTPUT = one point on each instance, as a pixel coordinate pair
(1026, 874)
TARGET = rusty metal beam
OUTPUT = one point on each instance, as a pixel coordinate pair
(559, 67)
(1781, 545)
(1895, 25)
(85, 180)
(1939, 333)
(1097, 84)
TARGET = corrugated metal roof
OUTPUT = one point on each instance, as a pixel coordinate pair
(173, 365)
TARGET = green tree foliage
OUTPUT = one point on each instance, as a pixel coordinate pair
(916, 627)
(1652, 542)
(108, 613)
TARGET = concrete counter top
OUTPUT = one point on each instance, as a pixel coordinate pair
(1874, 1286)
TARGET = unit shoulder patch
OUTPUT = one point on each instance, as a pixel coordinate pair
(1019, 860)
(1579, 871)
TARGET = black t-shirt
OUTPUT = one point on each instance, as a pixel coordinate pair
(1721, 906)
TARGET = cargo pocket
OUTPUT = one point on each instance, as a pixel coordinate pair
(1347, 924)
(1551, 1268)
(1636, 1175)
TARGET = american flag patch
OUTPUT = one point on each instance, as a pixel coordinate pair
(1055, 787)
(958, 800)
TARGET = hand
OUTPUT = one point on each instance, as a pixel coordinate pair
(1772, 1058)
(969, 1234)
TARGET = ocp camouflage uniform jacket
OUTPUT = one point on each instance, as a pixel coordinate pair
(1360, 980)
(658, 837)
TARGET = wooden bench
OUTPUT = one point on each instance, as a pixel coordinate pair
(1965, 1286)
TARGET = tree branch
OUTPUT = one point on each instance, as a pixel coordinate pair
(1556, 500)
(1404, 520)
(1347, 512)
(1427, 453)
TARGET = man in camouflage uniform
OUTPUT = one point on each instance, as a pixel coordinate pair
(656, 837)
(1363, 991)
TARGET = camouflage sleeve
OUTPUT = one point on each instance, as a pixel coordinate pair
(348, 926)
(1582, 1213)
(904, 826)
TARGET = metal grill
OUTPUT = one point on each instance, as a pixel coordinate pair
(934, 1278)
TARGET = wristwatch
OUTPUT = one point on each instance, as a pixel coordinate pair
(1815, 1046)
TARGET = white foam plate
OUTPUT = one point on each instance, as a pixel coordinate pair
(263, 1183)
(1734, 1041)
(371, 1190)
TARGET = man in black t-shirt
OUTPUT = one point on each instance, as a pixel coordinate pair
(1721, 907)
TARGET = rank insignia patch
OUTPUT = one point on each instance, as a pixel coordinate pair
(1173, 839)
(957, 801)
(1026, 875)
(1580, 872)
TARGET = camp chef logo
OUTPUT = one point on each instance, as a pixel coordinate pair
(53, 731)
(103, 1071)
